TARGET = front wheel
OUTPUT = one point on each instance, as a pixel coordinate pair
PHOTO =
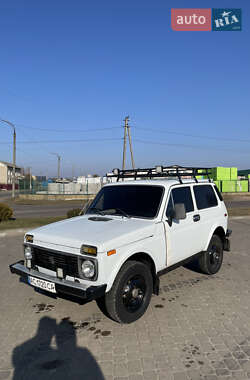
(131, 292)
(210, 261)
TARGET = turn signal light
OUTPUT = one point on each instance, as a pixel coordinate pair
(88, 250)
(29, 238)
(112, 252)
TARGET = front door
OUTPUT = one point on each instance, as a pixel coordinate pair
(182, 237)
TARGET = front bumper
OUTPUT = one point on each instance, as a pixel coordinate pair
(62, 286)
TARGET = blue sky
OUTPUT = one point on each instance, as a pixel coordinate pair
(72, 70)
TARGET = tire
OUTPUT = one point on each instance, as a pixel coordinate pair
(210, 261)
(131, 292)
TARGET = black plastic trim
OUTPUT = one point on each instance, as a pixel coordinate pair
(179, 264)
(226, 245)
(62, 286)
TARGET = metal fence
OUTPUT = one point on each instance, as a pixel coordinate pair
(54, 188)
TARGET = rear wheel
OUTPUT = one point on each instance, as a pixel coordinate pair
(210, 261)
(131, 292)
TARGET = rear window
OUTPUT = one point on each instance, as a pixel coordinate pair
(181, 195)
(205, 197)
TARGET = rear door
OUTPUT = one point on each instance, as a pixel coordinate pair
(182, 237)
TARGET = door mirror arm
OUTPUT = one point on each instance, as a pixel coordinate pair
(170, 217)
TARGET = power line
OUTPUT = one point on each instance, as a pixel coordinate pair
(138, 128)
(190, 135)
(64, 141)
(67, 130)
(212, 148)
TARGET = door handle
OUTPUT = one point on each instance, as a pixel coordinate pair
(196, 218)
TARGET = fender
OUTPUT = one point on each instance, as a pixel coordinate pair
(213, 229)
(125, 253)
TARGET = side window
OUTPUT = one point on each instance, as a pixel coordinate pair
(218, 193)
(205, 196)
(181, 195)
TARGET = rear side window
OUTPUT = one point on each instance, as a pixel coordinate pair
(205, 197)
(218, 193)
(181, 195)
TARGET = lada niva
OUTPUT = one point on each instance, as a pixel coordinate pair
(132, 232)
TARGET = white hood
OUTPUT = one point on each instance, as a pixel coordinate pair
(105, 235)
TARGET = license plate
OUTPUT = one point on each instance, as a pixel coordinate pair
(42, 284)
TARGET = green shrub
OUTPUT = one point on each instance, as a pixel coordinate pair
(5, 212)
(74, 212)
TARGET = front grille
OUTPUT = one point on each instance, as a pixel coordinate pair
(53, 260)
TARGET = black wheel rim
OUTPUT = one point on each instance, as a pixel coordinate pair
(134, 293)
(214, 257)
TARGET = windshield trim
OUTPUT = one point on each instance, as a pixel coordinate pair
(132, 216)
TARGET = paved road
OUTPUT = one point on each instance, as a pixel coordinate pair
(5, 194)
(198, 328)
(25, 211)
(244, 203)
(60, 209)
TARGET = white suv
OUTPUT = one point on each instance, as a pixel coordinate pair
(132, 232)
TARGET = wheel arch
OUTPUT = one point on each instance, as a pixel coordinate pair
(145, 258)
(219, 231)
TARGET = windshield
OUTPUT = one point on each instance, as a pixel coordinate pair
(128, 200)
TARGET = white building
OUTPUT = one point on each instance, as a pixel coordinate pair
(6, 174)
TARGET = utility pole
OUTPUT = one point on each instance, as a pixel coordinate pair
(30, 179)
(127, 132)
(58, 164)
(125, 142)
(130, 146)
(14, 156)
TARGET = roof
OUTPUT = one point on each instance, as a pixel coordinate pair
(9, 164)
(156, 182)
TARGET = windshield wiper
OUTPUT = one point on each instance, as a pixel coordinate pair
(95, 210)
(110, 211)
(120, 211)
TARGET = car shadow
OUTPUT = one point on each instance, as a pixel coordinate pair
(38, 359)
(193, 266)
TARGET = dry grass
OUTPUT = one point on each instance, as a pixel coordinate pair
(28, 222)
(47, 202)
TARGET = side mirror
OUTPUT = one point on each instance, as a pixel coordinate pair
(180, 211)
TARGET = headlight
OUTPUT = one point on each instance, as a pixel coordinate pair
(88, 250)
(88, 268)
(28, 252)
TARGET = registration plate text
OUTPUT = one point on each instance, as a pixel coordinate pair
(42, 284)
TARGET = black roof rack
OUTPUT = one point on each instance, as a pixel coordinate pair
(176, 171)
